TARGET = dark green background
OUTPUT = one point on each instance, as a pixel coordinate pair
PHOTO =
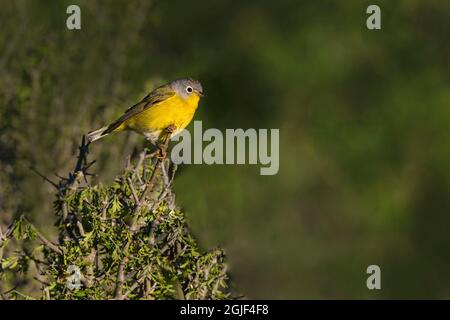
(364, 119)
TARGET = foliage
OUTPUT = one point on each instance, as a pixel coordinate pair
(128, 240)
(363, 118)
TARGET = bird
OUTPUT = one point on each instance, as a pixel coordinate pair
(161, 114)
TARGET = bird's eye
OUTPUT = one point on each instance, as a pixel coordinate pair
(189, 89)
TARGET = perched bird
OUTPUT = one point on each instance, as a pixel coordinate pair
(167, 109)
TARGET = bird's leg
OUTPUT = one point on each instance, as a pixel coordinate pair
(163, 146)
(162, 156)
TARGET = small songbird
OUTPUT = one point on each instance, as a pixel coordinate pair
(169, 106)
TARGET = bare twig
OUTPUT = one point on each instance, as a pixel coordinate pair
(165, 190)
(43, 239)
(46, 292)
(120, 278)
(43, 177)
(164, 174)
(83, 150)
(133, 191)
(1, 243)
(105, 209)
(80, 228)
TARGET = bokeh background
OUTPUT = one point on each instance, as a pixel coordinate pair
(364, 119)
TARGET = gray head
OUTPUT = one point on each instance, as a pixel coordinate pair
(187, 87)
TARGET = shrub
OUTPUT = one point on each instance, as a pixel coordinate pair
(127, 240)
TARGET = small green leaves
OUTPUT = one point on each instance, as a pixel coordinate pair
(10, 262)
(127, 240)
(17, 229)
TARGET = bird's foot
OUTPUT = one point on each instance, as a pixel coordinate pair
(171, 128)
(162, 147)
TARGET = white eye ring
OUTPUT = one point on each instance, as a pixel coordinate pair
(189, 90)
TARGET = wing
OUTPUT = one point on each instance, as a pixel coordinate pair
(156, 96)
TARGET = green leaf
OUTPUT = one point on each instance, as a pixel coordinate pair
(10, 262)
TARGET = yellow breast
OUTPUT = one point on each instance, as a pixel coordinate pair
(173, 111)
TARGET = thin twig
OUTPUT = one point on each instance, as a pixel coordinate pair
(105, 208)
(80, 228)
(134, 285)
(46, 293)
(43, 177)
(166, 189)
(1, 243)
(133, 191)
(164, 174)
(43, 239)
(120, 279)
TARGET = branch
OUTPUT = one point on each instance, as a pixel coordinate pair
(43, 239)
(43, 177)
(133, 191)
(118, 291)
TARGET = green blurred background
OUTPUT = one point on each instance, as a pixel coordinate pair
(364, 120)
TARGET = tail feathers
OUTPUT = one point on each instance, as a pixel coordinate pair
(97, 134)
